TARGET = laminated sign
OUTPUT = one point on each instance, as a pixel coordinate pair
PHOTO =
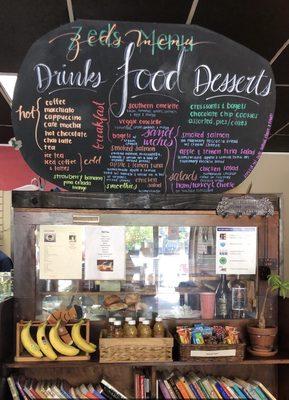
(142, 108)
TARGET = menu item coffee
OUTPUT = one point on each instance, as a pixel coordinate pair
(142, 108)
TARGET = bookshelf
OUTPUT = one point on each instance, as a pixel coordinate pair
(32, 209)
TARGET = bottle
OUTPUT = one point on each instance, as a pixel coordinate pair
(239, 298)
(110, 326)
(118, 331)
(131, 331)
(145, 330)
(126, 321)
(140, 321)
(159, 329)
(223, 299)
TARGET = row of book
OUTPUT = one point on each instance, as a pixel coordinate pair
(174, 385)
(30, 389)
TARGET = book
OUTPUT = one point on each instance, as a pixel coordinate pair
(190, 392)
(141, 385)
(209, 388)
(164, 377)
(235, 388)
(225, 384)
(20, 390)
(96, 392)
(108, 385)
(213, 384)
(147, 384)
(193, 378)
(84, 390)
(250, 389)
(265, 390)
(164, 390)
(13, 388)
(137, 384)
(172, 381)
(180, 385)
(73, 394)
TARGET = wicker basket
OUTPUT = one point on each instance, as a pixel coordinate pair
(135, 349)
(211, 352)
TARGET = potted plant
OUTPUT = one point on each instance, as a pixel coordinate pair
(262, 337)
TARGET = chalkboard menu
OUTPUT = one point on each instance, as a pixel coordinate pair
(147, 108)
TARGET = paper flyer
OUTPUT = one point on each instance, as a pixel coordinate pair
(236, 250)
(104, 252)
(60, 251)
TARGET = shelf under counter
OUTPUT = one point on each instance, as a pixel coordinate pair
(278, 359)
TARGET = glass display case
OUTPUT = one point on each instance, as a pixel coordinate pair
(169, 262)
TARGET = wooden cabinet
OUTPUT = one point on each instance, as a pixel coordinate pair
(34, 209)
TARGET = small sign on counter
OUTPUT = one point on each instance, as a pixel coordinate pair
(236, 250)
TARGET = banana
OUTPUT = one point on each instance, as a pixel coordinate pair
(80, 342)
(28, 343)
(59, 345)
(43, 343)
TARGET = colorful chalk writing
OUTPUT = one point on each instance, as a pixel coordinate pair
(142, 108)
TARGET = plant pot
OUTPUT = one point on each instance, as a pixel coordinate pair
(262, 339)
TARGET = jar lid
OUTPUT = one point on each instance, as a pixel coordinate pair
(146, 322)
(131, 322)
(111, 319)
(128, 319)
(117, 323)
(159, 319)
(141, 319)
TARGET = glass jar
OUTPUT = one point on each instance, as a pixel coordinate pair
(159, 329)
(118, 331)
(131, 331)
(140, 321)
(125, 326)
(110, 326)
(145, 330)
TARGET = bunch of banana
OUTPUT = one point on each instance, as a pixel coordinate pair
(45, 346)
(80, 342)
(58, 344)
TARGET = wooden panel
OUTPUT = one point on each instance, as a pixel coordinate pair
(120, 201)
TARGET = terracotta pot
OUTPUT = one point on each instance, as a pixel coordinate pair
(262, 339)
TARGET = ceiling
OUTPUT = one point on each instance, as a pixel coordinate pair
(261, 25)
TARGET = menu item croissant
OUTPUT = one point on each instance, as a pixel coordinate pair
(132, 298)
(117, 307)
(112, 299)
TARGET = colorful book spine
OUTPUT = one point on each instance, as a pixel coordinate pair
(13, 388)
(264, 389)
(164, 390)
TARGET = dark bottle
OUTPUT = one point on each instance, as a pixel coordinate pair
(223, 299)
(239, 298)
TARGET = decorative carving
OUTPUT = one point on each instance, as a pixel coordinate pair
(245, 205)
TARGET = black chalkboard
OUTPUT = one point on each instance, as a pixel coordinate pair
(133, 107)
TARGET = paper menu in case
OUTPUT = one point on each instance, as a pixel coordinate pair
(236, 250)
(60, 251)
(104, 252)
